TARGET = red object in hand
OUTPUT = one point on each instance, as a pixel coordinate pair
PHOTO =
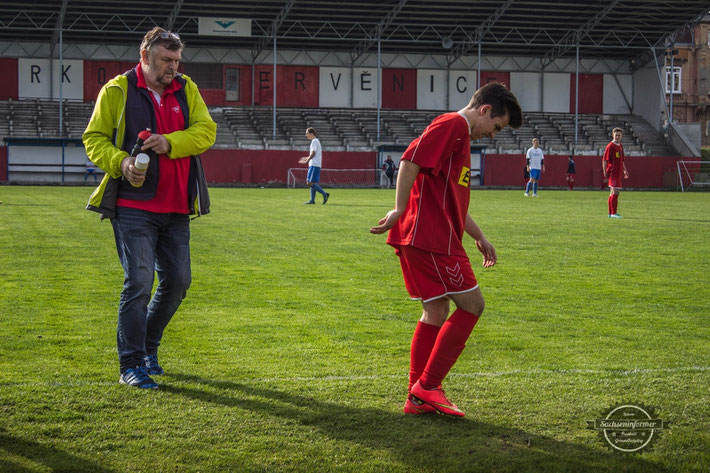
(142, 136)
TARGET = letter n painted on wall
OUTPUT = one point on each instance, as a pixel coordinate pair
(399, 88)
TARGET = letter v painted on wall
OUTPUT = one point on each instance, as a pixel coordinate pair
(335, 83)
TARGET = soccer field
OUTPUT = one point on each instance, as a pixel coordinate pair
(291, 351)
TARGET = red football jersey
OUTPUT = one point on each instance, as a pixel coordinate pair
(614, 157)
(171, 193)
(435, 216)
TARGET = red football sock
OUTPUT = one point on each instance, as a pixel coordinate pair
(615, 203)
(449, 345)
(611, 204)
(422, 344)
(571, 185)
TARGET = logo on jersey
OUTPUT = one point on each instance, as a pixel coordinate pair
(618, 154)
(455, 274)
(465, 177)
(176, 109)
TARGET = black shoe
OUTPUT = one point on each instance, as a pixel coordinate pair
(309, 202)
(325, 199)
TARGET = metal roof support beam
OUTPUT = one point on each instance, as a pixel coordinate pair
(481, 31)
(173, 15)
(376, 34)
(275, 25)
(574, 38)
(647, 55)
(58, 26)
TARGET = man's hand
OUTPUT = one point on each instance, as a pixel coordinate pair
(303, 160)
(158, 143)
(488, 252)
(132, 174)
(626, 174)
(387, 222)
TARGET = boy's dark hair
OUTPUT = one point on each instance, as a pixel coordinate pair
(502, 100)
(312, 131)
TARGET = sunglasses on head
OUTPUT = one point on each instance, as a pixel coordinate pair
(165, 35)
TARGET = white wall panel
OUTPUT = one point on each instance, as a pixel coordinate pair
(462, 85)
(40, 78)
(648, 99)
(614, 98)
(431, 89)
(556, 92)
(365, 87)
(335, 87)
(527, 87)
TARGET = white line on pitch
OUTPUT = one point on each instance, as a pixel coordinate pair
(534, 372)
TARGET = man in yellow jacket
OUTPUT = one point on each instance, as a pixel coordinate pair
(149, 209)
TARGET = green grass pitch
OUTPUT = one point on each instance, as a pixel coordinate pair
(290, 352)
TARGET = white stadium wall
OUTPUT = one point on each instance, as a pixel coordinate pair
(617, 99)
(648, 97)
(336, 87)
(364, 87)
(431, 89)
(527, 87)
(556, 92)
(39, 78)
(462, 85)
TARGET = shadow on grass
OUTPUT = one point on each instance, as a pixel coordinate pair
(51, 458)
(430, 442)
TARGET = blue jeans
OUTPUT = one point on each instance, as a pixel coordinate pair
(149, 243)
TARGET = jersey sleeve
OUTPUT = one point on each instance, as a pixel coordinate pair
(431, 149)
(607, 153)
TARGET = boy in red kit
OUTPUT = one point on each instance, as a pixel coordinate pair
(614, 168)
(426, 228)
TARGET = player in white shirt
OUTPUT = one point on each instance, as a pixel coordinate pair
(314, 164)
(536, 165)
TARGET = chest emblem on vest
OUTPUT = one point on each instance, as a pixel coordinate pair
(176, 109)
(465, 177)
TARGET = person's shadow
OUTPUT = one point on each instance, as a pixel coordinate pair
(453, 444)
(54, 459)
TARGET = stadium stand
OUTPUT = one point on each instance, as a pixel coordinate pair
(353, 129)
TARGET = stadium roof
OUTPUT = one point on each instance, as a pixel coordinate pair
(612, 29)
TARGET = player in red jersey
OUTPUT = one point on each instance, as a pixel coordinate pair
(426, 227)
(614, 169)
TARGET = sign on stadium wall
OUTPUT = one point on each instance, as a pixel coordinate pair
(40, 78)
(207, 26)
(338, 87)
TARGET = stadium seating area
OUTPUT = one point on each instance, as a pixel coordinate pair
(353, 129)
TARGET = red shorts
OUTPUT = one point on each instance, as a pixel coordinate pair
(615, 180)
(429, 276)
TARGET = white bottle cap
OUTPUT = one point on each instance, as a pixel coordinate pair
(142, 161)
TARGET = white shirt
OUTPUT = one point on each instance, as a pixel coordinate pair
(318, 156)
(535, 157)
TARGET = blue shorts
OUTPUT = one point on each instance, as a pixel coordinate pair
(313, 174)
(535, 174)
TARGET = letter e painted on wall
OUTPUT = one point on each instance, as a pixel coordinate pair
(364, 87)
